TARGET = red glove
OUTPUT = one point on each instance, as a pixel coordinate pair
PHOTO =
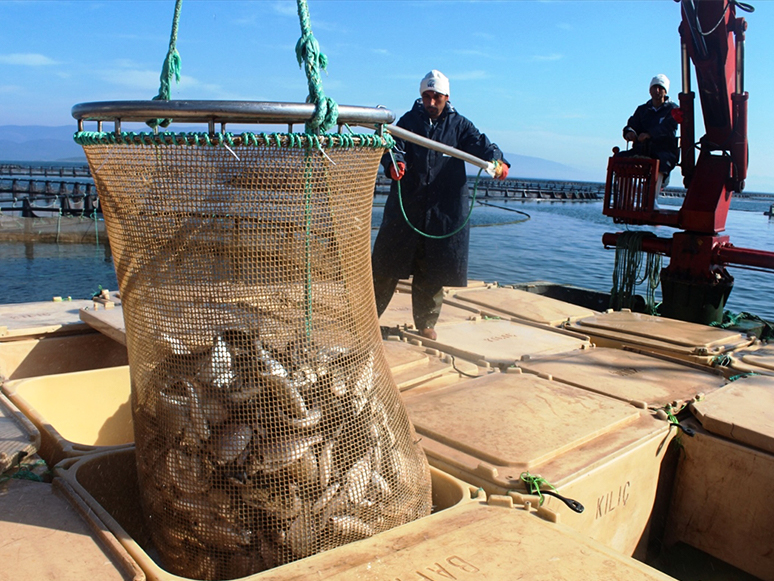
(677, 114)
(501, 170)
(398, 172)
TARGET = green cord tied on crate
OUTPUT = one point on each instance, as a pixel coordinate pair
(671, 417)
(535, 481)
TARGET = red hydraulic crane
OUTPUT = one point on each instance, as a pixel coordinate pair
(696, 284)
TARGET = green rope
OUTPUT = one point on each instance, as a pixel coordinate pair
(732, 320)
(96, 225)
(312, 60)
(534, 482)
(290, 140)
(170, 69)
(722, 360)
(20, 470)
(307, 243)
(442, 236)
(628, 273)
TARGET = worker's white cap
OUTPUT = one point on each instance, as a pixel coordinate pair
(660, 80)
(435, 81)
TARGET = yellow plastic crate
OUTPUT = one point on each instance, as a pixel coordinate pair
(107, 483)
(76, 413)
(724, 478)
(597, 450)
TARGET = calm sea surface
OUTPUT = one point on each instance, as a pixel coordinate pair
(561, 242)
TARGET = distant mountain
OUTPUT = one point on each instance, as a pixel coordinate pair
(40, 143)
(525, 166)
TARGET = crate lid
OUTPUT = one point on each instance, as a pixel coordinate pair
(109, 322)
(759, 358)
(646, 381)
(742, 411)
(661, 332)
(502, 342)
(511, 302)
(412, 363)
(474, 541)
(399, 312)
(18, 436)
(46, 317)
(502, 424)
(404, 285)
(45, 537)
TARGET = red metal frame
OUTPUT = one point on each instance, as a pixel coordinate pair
(713, 40)
(631, 190)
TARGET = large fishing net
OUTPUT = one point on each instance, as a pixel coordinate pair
(268, 426)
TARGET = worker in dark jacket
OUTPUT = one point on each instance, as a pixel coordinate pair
(653, 128)
(434, 194)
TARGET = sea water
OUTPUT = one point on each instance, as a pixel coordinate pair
(511, 242)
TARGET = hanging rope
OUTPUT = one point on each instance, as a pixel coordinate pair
(170, 69)
(626, 273)
(312, 60)
(442, 236)
(309, 57)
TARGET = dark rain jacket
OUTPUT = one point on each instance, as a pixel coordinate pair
(434, 191)
(662, 127)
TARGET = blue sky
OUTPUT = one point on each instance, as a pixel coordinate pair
(550, 79)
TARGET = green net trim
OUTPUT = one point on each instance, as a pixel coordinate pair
(291, 140)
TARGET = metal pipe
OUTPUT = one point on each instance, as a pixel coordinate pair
(223, 112)
(686, 66)
(723, 254)
(740, 56)
(440, 147)
(650, 244)
(728, 254)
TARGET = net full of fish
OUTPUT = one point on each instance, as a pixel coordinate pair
(254, 456)
(267, 424)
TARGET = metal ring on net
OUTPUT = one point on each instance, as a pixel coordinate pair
(267, 423)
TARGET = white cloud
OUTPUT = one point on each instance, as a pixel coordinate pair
(286, 8)
(468, 76)
(137, 79)
(547, 57)
(26, 59)
(472, 52)
(9, 89)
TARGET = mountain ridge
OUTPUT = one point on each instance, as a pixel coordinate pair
(38, 143)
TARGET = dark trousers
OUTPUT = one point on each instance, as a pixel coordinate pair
(426, 295)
